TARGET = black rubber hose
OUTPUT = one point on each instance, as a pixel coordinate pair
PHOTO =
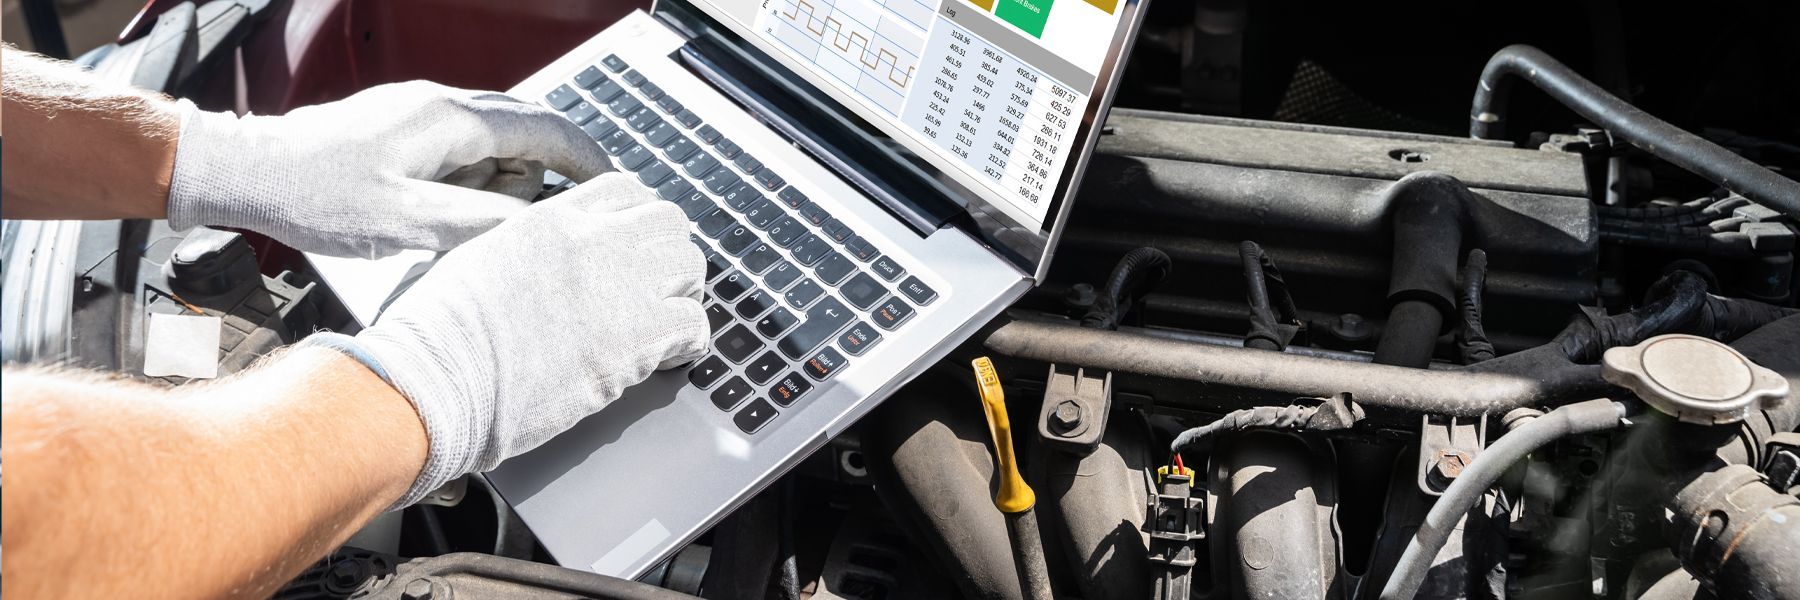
(1622, 120)
(1479, 475)
(1672, 302)
(1472, 343)
(1429, 213)
(1139, 271)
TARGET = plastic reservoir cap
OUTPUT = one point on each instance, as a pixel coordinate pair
(1694, 379)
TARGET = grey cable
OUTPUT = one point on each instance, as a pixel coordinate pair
(1581, 417)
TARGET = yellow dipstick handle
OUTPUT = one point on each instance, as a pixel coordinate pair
(1015, 496)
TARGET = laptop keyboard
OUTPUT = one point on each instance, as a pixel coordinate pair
(793, 294)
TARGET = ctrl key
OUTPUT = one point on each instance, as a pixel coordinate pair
(753, 417)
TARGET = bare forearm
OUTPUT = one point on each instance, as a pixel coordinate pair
(82, 148)
(113, 488)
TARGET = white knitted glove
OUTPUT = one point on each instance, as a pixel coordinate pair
(399, 166)
(518, 334)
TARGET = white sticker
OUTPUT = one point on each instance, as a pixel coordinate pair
(182, 346)
(629, 552)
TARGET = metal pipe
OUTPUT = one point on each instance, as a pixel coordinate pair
(1622, 120)
(1530, 378)
(1478, 476)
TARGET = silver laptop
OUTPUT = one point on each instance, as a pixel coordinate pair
(871, 181)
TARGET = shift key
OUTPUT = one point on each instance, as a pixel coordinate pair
(822, 323)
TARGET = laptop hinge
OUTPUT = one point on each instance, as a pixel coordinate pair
(857, 157)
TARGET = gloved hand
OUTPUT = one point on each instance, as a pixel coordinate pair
(407, 165)
(518, 334)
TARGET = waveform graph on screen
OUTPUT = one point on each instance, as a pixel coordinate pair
(870, 46)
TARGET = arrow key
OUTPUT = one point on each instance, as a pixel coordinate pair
(753, 417)
(765, 367)
(734, 391)
(708, 372)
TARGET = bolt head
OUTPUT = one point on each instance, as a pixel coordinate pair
(418, 589)
(1067, 415)
(1451, 463)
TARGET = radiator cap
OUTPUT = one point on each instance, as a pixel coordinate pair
(1694, 379)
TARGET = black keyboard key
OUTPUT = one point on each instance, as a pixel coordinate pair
(589, 77)
(623, 105)
(687, 118)
(823, 364)
(755, 416)
(790, 388)
(652, 92)
(731, 394)
(920, 293)
(715, 222)
(680, 148)
(858, 338)
(737, 240)
(835, 268)
(773, 324)
(718, 317)
(673, 190)
(728, 148)
(583, 112)
(762, 213)
(760, 258)
(642, 119)
(695, 204)
(891, 313)
(732, 286)
(810, 250)
(792, 196)
(804, 294)
(636, 158)
(754, 305)
(607, 91)
(708, 134)
(716, 264)
(785, 230)
(738, 344)
(614, 63)
(599, 128)
(822, 323)
(741, 196)
(660, 134)
(655, 173)
(863, 291)
(887, 269)
(708, 372)
(720, 181)
(765, 367)
(862, 249)
(562, 97)
(617, 142)
(748, 164)
(699, 165)
(783, 275)
(669, 104)
(837, 230)
(769, 180)
(634, 78)
(814, 213)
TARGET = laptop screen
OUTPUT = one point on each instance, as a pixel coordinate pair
(998, 95)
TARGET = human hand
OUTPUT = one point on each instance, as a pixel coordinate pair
(394, 167)
(518, 334)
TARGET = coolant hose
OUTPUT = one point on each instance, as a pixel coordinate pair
(1653, 135)
(1479, 475)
